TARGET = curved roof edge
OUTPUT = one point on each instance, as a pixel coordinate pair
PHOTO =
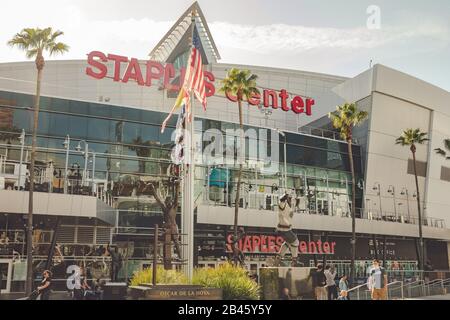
(165, 46)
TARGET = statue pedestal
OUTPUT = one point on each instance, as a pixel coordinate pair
(114, 291)
(297, 279)
(174, 292)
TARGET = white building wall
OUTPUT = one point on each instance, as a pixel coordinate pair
(210, 214)
(437, 101)
(387, 162)
(68, 79)
(438, 191)
(400, 101)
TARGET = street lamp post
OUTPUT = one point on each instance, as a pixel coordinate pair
(391, 190)
(93, 173)
(361, 186)
(86, 156)
(285, 160)
(405, 191)
(66, 168)
(86, 146)
(328, 194)
(22, 144)
(348, 197)
(377, 186)
(367, 209)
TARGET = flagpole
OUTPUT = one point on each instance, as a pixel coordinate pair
(187, 216)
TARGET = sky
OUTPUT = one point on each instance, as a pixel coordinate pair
(333, 37)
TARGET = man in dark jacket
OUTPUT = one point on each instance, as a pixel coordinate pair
(319, 282)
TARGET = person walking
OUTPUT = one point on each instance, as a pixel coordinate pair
(377, 281)
(330, 275)
(46, 285)
(428, 268)
(343, 288)
(319, 282)
(285, 295)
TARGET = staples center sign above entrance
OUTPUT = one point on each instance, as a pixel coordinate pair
(152, 73)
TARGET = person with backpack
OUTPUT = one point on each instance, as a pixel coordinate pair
(377, 282)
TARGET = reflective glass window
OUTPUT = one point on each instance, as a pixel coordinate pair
(78, 127)
(58, 124)
(98, 129)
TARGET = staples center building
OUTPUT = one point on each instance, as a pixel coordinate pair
(113, 107)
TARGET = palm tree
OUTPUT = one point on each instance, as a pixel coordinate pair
(35, 42)
(242, 84)
(345, 118)
(412, 137)
(442, 152)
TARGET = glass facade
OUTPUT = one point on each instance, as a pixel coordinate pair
(129, 148)
(128, 145)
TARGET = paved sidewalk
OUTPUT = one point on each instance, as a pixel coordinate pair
(58, 295)
(436, 297)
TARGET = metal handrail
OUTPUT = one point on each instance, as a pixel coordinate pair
(427, 286)
(357, 288)
(432, 282)
(410, 284)
(420, 285)
(438, 281)
(401, 288)
(389, 284)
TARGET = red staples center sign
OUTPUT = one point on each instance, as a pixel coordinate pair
(152, 73)
(271, 244)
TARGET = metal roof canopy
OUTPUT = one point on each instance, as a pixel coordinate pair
(162, 51)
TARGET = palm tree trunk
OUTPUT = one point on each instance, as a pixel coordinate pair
(353, 241)
(238, 186)
(421, 246)
(29, 282)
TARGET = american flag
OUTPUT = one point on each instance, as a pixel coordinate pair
(193, 82)
(194, 79)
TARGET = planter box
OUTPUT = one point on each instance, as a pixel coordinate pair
(296, 279)
(174, 292)
(114, 291)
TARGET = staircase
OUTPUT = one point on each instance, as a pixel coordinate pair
(399, 290)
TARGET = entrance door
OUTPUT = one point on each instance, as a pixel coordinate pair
(5, 275)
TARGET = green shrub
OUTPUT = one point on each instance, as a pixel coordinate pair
(233, 280)
(162, 276)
